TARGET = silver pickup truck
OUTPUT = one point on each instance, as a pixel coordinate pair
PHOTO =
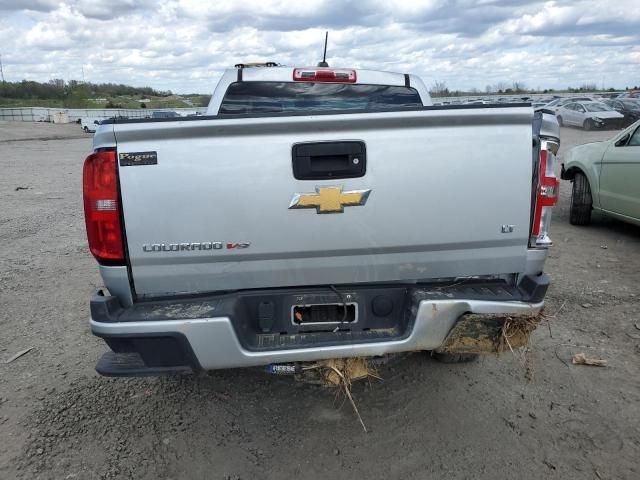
(317, 213)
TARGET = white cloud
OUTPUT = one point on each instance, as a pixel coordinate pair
(183, 45)
(111, 9)
(18, 5)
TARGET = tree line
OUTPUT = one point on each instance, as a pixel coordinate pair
(71, 91)
(440, 89)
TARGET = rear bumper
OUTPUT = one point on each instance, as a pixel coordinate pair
(215, 344)
(199, 340)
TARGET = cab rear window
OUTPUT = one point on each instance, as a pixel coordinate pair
(244, 98)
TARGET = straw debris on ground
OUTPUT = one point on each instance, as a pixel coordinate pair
(342, 372)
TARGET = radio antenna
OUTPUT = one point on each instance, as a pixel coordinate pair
(324, 63)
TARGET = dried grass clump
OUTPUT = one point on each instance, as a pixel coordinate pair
(342, 372)
(481, 334)
(516, 332)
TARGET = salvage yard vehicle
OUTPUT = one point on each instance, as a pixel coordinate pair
(90, 124)
(589, 115)
(629, 94)
(606, 178)
(555, 104)
(318, 213)
(629, 107)
(165, 114)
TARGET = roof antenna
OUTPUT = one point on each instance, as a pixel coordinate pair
(324, 63)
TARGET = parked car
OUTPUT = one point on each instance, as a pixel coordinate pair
(299, 221)
(589, 115)
(605, 177)
(89, 125)
(165, 114)
(629, 94)
(554, 105)
(609, 95)
(629, 107)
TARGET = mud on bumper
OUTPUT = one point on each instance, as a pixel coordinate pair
(256, 328)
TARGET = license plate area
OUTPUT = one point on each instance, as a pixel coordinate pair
(266, 319)
(324, 313)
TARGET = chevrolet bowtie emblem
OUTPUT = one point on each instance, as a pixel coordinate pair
(329, 199)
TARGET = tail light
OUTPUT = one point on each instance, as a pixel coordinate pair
(547, 193)
(324, 75)
(102, 207)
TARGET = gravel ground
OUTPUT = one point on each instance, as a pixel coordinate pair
(59, 420)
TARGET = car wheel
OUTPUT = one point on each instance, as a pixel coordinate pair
(86, 129)
(580, 210)
(454, 357)
(588, 124)
(560, 120)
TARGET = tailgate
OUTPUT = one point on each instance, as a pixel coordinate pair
(427, 198)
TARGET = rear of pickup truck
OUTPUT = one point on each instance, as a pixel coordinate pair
(313, 216)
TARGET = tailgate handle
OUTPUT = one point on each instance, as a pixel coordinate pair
(329, 160)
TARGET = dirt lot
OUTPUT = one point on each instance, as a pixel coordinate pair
(59, 420)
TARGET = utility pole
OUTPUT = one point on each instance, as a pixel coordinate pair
(1, 71)
(82, 73)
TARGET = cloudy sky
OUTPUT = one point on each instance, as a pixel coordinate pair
(184, 45)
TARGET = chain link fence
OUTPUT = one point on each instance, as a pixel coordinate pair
(70, 115)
